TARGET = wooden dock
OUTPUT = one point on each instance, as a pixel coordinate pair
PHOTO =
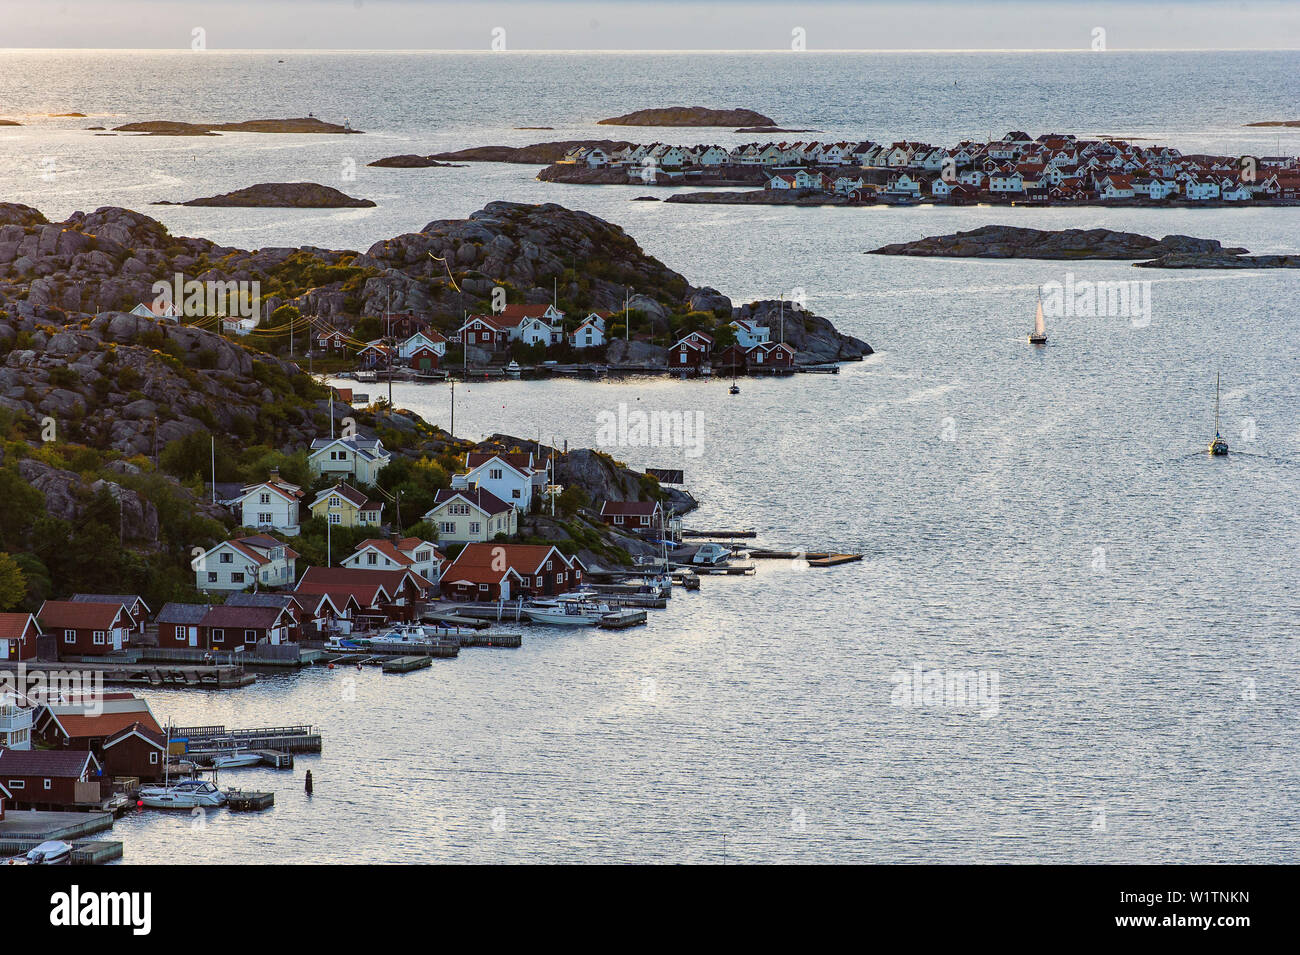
(275, 758)
(285, 739)
(720, 535)
(146, 674)
(622, 619)
(237, 800)
(813, 558)
(454, 620)
(490, 638)
(407, 664)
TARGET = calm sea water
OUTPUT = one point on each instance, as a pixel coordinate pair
(1045, 517)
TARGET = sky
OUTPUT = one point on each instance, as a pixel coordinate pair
(524, 25)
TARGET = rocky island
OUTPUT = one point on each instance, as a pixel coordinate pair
(412, 161)
(539, 154)
(280, 195)
(689, 116)
(307, 124)
(1013, 242)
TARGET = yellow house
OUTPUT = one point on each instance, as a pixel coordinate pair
(345, 506)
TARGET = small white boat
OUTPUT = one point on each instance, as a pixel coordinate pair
(513, 369)
(572, 610)
(50, 853)
(1039, 335)
(1218, 446)
(235, 760)
(711, 554)
(186, 794)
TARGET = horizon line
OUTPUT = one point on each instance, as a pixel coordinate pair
(475, 50)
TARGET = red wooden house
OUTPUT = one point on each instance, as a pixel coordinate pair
(424, 358)
(181, 625)
(632, 515)
(771, 355)
(84, 724)
(484, 331)
(18, 633)
(230, 626)
(135, 750)
(86, 629)
(393, 594)
(135, 606)
(731, 359)
(288, 602)
(691, 352)
(491, 571)
(50, 779)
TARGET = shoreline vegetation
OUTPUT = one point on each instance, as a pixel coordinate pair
(1053, 169)
(1011, 242)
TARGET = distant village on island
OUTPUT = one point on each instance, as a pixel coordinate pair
(1051, 168)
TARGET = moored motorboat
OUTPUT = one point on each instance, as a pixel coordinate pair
(235, 760)
(574, 610)
(186, 794)
(53, 852)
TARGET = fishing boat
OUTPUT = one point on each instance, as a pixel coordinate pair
(50, 853)
(579, 609)
(235, 760)
(186, 794)
(1218, 447)
(1039, 335)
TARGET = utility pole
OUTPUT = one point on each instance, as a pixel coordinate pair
(213, 439)
(452, 431)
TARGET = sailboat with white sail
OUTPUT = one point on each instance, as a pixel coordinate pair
(1039, 335)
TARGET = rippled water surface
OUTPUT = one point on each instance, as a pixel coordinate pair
(1044, 517)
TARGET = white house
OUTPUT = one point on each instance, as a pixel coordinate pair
(257, 561)
(270, 505)
(471, 515)
(1003, 181)
(1116, 187)
(15, 722)
(589, 334)
(536, 331)
(408, 553)
(511, 477)
(431, 340)
(162, 311)
(358, 458)
(749, 334)
(712, 156)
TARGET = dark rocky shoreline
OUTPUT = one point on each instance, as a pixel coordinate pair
(689, 116)
(280, 195)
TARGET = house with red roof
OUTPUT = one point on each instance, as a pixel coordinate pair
(135, 606)
(632, 515)
(405, 553)
(691, 351)
(18, 633)
(86, 629)
(85, 723)
(381, 595)
(500, 571)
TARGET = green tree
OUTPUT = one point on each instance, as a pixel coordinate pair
(13, 585)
